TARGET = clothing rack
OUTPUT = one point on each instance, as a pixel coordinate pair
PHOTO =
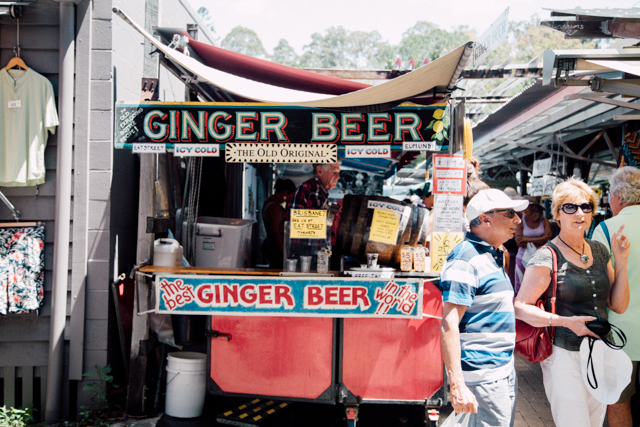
(15, 212)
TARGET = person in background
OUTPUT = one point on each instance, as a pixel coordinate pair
(587, 285)
(624, 199)
(273, 216)
(477, 332)
(511, 247)
(534, 228)
(314, 192)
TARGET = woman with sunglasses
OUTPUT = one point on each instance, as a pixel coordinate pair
(587, 286)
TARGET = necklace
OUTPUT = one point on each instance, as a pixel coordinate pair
(583, 257)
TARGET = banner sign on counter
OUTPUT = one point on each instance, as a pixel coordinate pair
(287, 296)
(308, 224)
(449, 174)
(281, 153)
(223, 123)
(364, 151)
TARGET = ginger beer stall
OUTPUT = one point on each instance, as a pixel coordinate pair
(327, 338)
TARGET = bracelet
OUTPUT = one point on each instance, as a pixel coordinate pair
(550, 317)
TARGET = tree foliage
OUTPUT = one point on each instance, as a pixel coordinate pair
(338, 47)
(244, 40)
(207, 19)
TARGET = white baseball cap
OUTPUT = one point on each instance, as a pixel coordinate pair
(487, 200)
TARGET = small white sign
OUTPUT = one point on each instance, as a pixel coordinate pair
(399, 209)
(445, 161)
(197, 150)
(367, 151)
(449, 185)
(14, 103)
(280, 153)
(149, 148)
(541, 167)
(449, 173)
(448, 213)
(491, 39)
(419, 146)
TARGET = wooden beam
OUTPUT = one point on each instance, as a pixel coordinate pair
(610, 144)
(593, 141)
(573, 156)
(603, 99)
(565, 146)
(627, 117)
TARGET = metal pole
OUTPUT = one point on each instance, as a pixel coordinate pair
(63, 213)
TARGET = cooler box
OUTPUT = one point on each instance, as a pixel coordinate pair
(222, 242)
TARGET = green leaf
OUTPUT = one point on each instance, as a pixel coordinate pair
(430, 124)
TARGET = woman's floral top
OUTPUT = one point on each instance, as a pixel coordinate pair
(21, 269)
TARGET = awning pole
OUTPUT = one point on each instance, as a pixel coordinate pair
(63, 213)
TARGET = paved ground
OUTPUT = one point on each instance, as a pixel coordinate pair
(532, 408)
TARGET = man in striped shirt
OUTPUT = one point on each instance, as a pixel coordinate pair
(478, 322)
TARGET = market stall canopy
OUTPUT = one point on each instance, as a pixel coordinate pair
(431, 83)
(595, 23)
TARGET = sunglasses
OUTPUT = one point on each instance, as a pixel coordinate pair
(510, 212)
(571, 208)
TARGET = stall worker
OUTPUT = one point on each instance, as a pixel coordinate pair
(314, 194)
(273, 216)
(624, 199)
(477, 331)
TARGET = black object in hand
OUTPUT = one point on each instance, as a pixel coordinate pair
(599, 326)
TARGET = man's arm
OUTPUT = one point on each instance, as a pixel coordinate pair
(462, 399)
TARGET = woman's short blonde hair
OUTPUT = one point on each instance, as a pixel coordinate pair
(572, 189)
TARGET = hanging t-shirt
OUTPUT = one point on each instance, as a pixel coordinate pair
(27, 114)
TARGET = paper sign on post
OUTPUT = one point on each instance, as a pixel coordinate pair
(308, 224)
(449, 174)
(441, 245)
(384, 227)
(448, 213)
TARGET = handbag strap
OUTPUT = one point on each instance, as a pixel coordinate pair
(554, 287)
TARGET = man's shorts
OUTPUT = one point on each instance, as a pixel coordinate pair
(496, 404)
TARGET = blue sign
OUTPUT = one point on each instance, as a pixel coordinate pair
(288, 296)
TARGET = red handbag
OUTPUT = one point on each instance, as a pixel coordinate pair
(535, 344)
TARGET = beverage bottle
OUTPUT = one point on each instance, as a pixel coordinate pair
(406, 257)
(419, 258)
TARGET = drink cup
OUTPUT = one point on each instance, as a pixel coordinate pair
(323, 262)
(306, 263)
(372, 260)
(292, 264)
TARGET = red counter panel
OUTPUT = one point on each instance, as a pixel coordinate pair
(395, 359)
(273, 356)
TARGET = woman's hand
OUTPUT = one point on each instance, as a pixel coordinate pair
(577, 325)
(620, 245)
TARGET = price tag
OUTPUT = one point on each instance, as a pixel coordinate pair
(14, 103)
(149, 148)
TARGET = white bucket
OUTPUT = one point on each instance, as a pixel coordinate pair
(167, 253)
(186, 384)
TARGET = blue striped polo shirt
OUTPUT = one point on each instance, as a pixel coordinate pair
(473, 276)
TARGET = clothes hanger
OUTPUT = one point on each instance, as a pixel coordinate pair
(16, 61)
(16, 215)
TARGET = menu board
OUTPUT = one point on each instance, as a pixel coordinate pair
(441, 246)
(448, 213)
(384, 226)
(308, 224)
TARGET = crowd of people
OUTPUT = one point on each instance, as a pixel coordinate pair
(482, 297)
(595, 280)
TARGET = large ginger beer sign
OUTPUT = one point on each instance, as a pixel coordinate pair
(222, 123)
(287, 296)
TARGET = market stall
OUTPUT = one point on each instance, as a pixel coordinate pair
(359, 332)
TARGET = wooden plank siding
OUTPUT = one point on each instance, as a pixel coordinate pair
(24, 339)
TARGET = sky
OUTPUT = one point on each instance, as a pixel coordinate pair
(296, 20)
